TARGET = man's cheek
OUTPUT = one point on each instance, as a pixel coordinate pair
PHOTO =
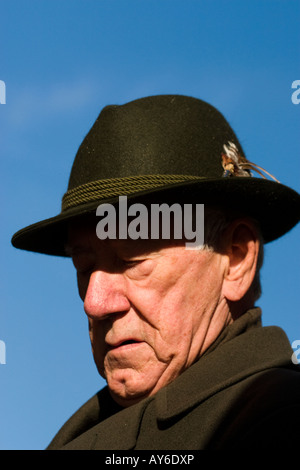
(97, 344)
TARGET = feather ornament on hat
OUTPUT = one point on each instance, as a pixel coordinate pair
(236, 165)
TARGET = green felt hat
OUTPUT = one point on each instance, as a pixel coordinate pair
(167, 147)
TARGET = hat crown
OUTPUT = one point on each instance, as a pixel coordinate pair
(166, 134)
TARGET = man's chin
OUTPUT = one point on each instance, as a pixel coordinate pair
(127, 393)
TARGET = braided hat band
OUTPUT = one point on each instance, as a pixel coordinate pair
(96, 190)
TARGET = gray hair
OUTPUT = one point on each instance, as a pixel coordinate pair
(216, 221)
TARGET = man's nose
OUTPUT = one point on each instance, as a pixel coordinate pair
(105, 295)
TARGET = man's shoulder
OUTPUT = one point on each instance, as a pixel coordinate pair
(273, 389)
(266, 413)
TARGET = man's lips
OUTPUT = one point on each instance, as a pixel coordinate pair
(129, 342)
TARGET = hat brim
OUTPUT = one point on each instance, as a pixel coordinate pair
(275, 206)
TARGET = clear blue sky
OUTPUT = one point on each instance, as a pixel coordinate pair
(62, 61)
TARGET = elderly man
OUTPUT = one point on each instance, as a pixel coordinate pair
(173, 329)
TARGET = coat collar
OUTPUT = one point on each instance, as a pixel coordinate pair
(120, 431)
(117, 432)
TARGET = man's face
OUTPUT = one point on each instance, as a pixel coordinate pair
(150, 305)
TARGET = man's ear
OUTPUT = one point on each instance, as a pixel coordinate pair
(241, 247)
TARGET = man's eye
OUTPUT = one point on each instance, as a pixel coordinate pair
(85, 271)
(130, 263)
(138, 267)
(83, 264)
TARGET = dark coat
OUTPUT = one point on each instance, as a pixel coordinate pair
(243, 393)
